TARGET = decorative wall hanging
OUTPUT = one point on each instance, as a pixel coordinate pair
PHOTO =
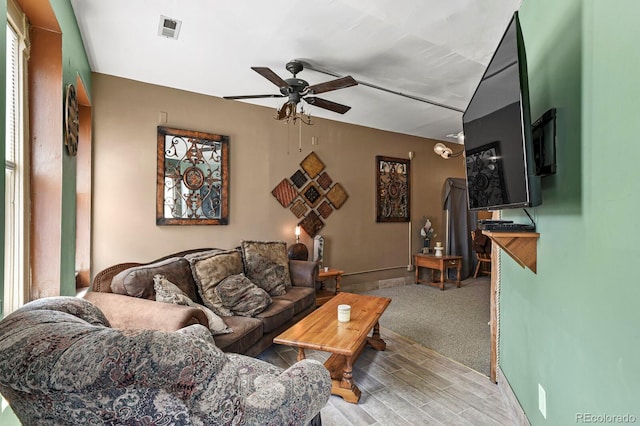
(192, 178)
(71, 119)
(310, 194)
(392, 189)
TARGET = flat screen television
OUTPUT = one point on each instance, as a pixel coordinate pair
(500, 169)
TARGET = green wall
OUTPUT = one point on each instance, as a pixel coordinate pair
(574, 327)
(74, 64)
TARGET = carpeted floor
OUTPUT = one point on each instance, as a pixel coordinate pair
(453, 322)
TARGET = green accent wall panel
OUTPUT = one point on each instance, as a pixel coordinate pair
(574, 327)
(74, 64)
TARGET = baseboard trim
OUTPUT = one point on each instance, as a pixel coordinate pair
(376, 285)
(515, 410)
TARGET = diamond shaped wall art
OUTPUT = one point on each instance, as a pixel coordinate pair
(299, 208)
(312, 165)
(285, 193)
(299, 178)
(311, 194)
(325, 209)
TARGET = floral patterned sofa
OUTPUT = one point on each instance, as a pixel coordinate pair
(61, 363)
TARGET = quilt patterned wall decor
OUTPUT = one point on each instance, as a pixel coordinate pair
(310, 194)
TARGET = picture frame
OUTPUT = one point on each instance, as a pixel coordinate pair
(192, 178)
(393, 189)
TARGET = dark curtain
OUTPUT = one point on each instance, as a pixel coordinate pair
(461, 222)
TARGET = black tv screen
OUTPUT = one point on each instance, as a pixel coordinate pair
(497, 131)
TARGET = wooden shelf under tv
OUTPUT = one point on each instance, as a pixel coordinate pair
(521, 246)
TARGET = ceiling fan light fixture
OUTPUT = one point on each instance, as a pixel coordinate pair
(288, 113)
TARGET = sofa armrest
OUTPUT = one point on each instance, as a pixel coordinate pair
(303, 273)
(126, 312)
(296, 396)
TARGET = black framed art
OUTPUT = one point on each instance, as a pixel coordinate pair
(393, 189)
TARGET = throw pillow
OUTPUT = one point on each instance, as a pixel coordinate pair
(272, 276)
(241, 296)
(267, 265)
(137, 281)
(211, 268)
(167, 292)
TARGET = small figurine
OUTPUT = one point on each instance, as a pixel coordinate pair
(427, 233)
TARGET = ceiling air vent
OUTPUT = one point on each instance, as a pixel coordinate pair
(169, 27)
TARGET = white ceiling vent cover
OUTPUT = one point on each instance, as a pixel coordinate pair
(169, 27)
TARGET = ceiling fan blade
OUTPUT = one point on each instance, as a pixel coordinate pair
(339, 83)
(271, 76)
(323, 103)
(253, 96)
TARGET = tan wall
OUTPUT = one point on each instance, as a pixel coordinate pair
(263, 151)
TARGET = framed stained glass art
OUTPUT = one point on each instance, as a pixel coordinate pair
(192, 178)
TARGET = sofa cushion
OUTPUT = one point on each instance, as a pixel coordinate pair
(167, 292)
(267, 265)
(246, 332)
(209, 269)
(278, 313)
(242, 297)
(138, 281)
(301, 297)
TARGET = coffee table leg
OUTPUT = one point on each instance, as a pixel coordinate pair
(459, 268)
(347, 375)
(301, 354)
(375, 341)
(346, 388)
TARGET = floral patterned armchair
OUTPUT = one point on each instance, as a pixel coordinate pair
(61, 363)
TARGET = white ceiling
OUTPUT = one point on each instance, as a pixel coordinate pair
(432, 49)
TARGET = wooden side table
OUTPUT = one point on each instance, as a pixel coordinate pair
(323, 295)
(440, 264)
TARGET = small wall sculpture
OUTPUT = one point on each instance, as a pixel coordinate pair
(310, 194)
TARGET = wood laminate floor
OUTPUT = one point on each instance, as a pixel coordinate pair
(408, 384)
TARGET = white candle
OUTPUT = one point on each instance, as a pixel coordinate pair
(344, 313)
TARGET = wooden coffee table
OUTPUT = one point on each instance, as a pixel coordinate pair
(321, 331)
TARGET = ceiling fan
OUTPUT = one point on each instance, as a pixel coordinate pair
(297, 89)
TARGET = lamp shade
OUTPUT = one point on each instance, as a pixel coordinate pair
(439, 148)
